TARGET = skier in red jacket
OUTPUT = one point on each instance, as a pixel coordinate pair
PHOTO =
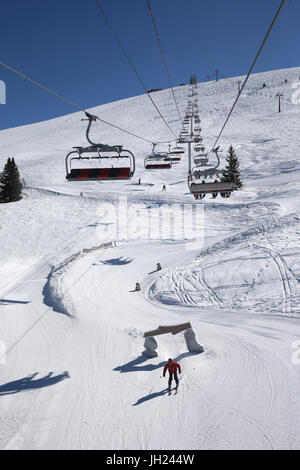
(172, 367)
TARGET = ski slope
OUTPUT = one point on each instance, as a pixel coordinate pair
(72, 324)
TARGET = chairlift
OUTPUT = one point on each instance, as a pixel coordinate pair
(113, 162)
(173, 158)
(201, 160)
(199, 186)
(157, 160)
(182, 139)
(157, 164)
(178, 149)
(199, 148)
(175, 153)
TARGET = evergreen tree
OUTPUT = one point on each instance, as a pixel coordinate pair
(10, 182)
(233, 167)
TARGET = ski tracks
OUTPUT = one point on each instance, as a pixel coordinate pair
(191, 288)
(289, 282)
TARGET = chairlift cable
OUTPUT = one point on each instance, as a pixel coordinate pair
(132, 65)
(163, 57)
(250, 71)
(47, 90)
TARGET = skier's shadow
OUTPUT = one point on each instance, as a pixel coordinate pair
(151, 396)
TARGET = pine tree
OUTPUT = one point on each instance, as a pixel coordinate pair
(10, 182)
(233, 168)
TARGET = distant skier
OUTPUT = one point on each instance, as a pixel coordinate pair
(172, 367)
(164, 188)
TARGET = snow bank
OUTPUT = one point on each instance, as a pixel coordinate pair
(53, 295)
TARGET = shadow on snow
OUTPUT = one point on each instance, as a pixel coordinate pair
(138, 365)
(135, 365)
(151, 396)
(8, 301)
(117, 261)
(28, 383)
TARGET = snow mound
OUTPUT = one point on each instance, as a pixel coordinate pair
(54, 296)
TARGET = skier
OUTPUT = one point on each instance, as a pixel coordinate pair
(172, 367)
(164, 188)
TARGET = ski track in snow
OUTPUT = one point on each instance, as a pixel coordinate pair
(75, 377)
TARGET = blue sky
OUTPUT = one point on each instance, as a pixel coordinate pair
(67, 46)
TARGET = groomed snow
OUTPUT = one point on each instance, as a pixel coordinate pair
(72, 324)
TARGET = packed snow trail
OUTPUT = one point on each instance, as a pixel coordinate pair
(244, 382)
(111, 397)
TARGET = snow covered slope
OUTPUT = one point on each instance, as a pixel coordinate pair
(72, 325)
